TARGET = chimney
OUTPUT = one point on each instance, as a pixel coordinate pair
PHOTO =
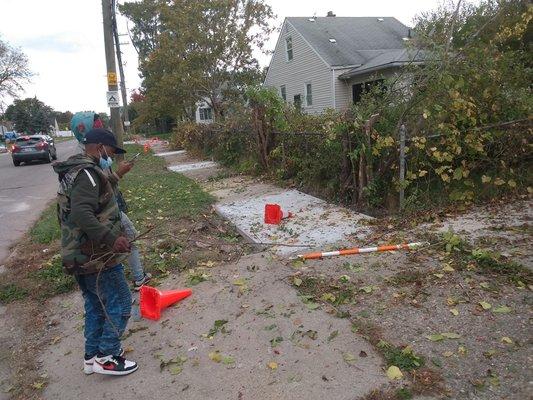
(330, 14)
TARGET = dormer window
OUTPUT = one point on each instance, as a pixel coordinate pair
(288, 48)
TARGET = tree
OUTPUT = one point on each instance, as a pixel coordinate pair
(30, 115)
(63, 119)
(14, 71)
(191, 51)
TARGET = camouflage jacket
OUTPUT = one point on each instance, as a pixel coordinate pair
(88, 215)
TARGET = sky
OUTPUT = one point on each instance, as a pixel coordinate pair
(63, 40)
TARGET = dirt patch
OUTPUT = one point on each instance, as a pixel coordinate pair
(471, 327)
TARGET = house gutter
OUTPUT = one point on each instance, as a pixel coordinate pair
(349, 75)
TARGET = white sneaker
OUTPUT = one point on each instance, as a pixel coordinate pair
(88, 363)
(114, 365)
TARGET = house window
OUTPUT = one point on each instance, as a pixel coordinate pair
(308, 94)
(288, 47)
(206, 114)
(283, 90)
(359, 88)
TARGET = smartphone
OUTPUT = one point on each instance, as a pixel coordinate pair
(134, 157)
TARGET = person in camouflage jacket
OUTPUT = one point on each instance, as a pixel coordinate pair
(93, 246)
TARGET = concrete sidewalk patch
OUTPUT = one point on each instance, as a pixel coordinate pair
(170, 153)
(315, 223)
(192, 166)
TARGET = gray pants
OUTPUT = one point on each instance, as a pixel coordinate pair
(134, 259)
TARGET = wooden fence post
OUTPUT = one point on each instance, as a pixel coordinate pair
(402, 166)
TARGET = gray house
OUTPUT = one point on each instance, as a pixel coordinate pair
(325, 62)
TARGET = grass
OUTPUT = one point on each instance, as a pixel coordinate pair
(54, 278)
(154, 194)
(11, 292)
(46, 229)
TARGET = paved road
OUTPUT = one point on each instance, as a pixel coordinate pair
(24, 193)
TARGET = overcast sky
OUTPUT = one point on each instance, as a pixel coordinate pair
(63, 40)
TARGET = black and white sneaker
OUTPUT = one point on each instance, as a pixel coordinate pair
(88, 362)
(114, 365)
(138, 284)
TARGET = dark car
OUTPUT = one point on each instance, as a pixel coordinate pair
(33, 148)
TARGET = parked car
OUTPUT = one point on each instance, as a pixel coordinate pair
(34, 147)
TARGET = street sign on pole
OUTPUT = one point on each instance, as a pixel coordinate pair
(112, 99)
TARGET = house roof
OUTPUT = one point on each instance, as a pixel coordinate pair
(387, 59)
(357, 39)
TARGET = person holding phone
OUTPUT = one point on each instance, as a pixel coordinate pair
(140, 277)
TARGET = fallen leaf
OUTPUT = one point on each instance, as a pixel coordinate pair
(312, 306)
(451, 301)
(461, 350)
(451, 335)
(228, 360)
(436, 337)
(447, 353)
(439, 275)
(38, 385)
(485, 305)
(393, 372)
(272, 365)
(239, 282)
(366, 289)
(489, 353)
(328, 297)
(275, 341)
(448, 268)
(502, 310)
(348, 357)
(454, 311)
(297, 281)
(215, 356)
(506, 340)
(484, 285)
(332, 335)
(175, 369)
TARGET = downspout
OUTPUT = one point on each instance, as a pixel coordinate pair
(333, 88)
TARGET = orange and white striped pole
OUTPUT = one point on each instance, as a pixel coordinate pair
(360, 250)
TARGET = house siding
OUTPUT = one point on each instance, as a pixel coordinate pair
(305, 67)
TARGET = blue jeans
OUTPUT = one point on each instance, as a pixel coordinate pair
(103, 332)
(134, 259)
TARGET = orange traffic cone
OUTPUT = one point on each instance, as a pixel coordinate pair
(146, 147)
(153, 300)
(274, 214)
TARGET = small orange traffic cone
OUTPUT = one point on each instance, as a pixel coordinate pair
(147, 147)
(274, 214)
(153, 300)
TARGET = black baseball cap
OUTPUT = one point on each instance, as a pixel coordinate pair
(102, 136)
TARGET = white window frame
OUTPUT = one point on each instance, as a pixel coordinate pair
(283, 88)
(287, 40)
(203, 111)
(307, 97)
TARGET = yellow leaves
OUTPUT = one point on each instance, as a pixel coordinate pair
(349, 358)
(215, 356)
(422, 173)
(445, 177)
(329, 297)
(297, 281)
(502, 310)
(394, 373)
(511, 183)
(272, 365)
(484, 305)
(486, 179)
(440, 276)
(454, 311)
(506, 340)
(499, 182)
(438, 337)
(461, 350)
(448, 268)
(447, 353)
(239, 282)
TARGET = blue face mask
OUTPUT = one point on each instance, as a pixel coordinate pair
(105, 163)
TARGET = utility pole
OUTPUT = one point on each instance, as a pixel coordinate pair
(120, 69)
(112, 94)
